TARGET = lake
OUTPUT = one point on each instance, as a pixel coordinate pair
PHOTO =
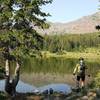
(41, 72)
(44, 73)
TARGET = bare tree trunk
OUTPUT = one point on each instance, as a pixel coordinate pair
(7, 80)
(17, 74)
(7, 67)
(10, 85)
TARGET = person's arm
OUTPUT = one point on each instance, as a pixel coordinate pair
(75, 69)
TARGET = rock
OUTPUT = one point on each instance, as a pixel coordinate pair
(59, 88)
(85, 98)
(91, 94)
(98, 92)
(50, 91)
(94, 95)
(37, 98)
(92, 98)
(45, 92)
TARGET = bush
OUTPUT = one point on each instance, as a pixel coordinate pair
(97, 80)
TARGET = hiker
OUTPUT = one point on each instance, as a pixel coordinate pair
(10, 84)
(79, 71)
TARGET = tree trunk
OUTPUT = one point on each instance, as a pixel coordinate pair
(7, 67)
(10, 85)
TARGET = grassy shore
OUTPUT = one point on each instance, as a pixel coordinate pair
(73, 55)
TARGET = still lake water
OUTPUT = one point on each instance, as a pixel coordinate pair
(57, 73)
(41, 72)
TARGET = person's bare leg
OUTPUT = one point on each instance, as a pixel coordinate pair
(82, 84)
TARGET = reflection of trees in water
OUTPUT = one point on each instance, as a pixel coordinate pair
(56, 65)
(93, 68)
(53, 65)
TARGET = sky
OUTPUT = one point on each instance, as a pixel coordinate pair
(69, 10)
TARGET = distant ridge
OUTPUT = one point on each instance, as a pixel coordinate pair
(85, 24)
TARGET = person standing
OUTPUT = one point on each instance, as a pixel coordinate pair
(80, 71)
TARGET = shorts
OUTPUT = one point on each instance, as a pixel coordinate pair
(81, 77)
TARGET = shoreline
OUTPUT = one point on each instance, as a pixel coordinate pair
(72, 55)
(83, 95)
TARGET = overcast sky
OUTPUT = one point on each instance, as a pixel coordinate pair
(69, 10)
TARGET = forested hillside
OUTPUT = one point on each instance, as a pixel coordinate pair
(71, 42)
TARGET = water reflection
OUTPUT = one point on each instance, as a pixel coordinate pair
(40, 72)
(21, 87)
(53, 70)
(55, 65)
(26, 88)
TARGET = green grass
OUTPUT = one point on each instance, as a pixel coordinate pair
(89, 53)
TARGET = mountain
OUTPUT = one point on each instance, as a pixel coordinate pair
(85, 24)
